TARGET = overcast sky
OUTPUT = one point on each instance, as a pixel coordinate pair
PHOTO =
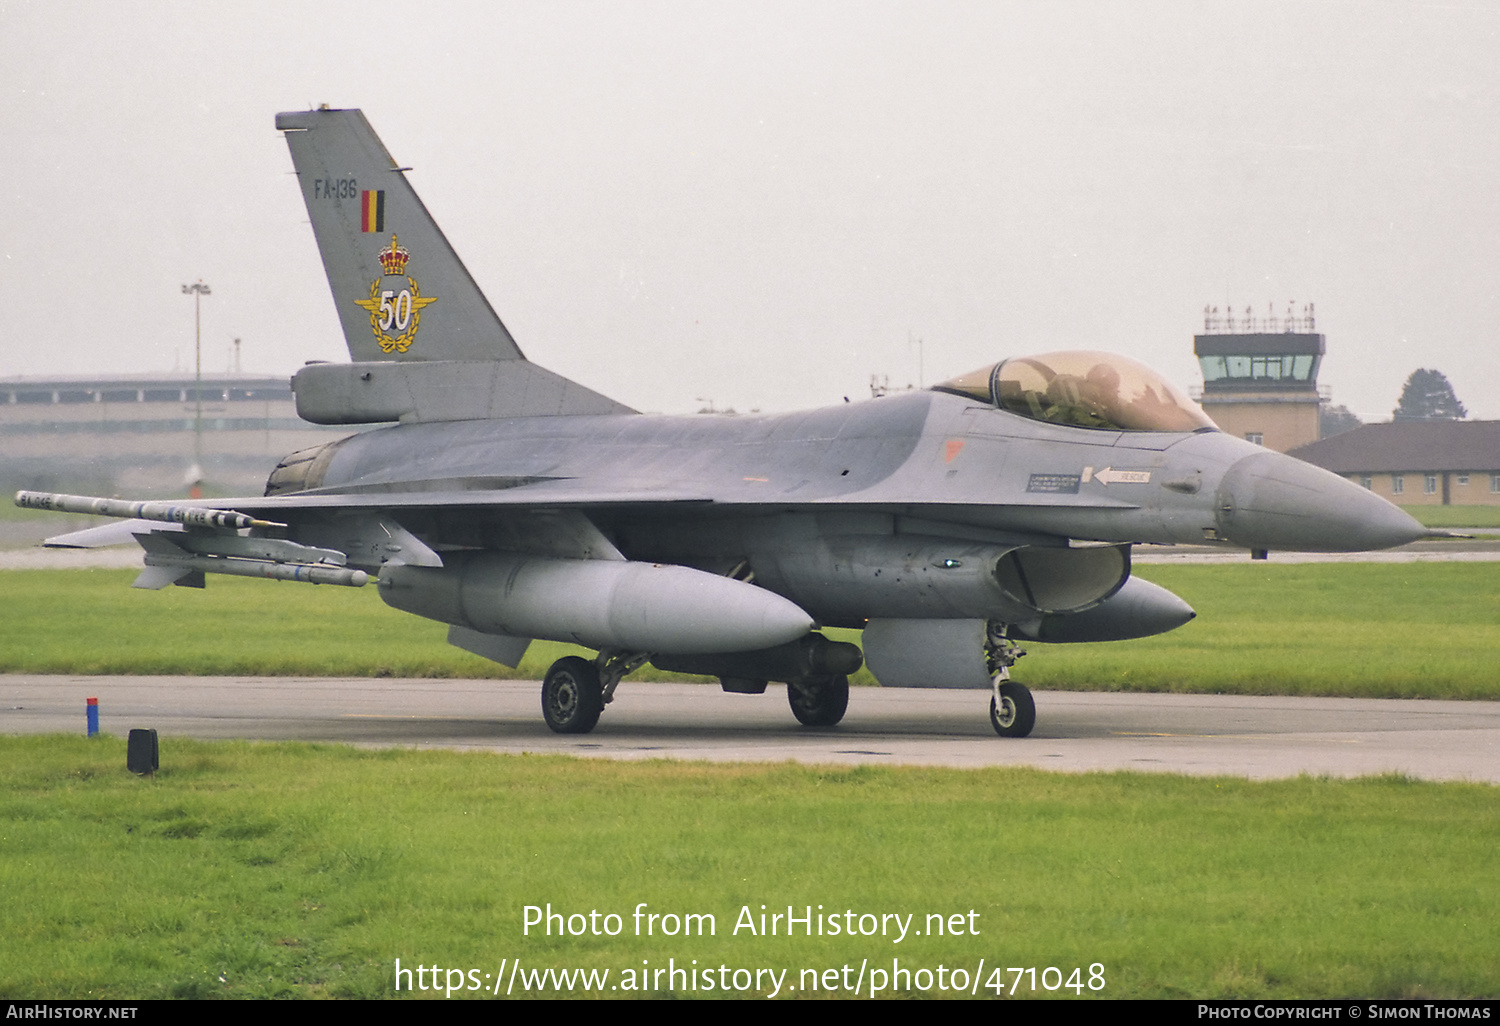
(763, 203)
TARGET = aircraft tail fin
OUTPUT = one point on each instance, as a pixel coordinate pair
(401, 291)
(425, 343)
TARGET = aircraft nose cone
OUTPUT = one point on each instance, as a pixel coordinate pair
(1272, 501)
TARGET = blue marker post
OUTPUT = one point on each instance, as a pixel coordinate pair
(93, 708)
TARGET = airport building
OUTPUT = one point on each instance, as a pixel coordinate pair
(1260, 375)
(137, 436)
(1417, 462)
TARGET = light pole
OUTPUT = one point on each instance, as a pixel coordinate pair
(197, 290)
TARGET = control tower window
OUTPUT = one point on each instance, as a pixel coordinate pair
(1250, 369)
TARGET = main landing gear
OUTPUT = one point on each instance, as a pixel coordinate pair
(819, 701)
(575, 690)
(572, 697)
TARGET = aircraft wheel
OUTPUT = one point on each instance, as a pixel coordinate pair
(1016, 713)
(819, 701)
(572, 697)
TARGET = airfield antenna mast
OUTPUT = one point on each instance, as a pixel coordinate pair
(197, 290)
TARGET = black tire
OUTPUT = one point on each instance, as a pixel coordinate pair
(1017, 712)
(572, 697)
(819, 701)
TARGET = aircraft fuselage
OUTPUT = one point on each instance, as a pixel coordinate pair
(926, 463)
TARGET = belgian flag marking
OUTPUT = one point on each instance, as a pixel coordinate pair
(372, 210)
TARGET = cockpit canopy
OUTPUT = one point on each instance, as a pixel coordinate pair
(1083, 389)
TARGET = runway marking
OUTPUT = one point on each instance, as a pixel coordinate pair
(413, 716)
(1148, 733)
(1230, 737)
(488, 721)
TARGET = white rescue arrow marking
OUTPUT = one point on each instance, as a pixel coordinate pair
(1108, 476)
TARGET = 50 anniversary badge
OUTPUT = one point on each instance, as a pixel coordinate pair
(395, 312)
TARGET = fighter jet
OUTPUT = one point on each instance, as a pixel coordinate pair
(950, 525)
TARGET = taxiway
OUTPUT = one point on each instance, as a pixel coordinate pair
(1248, 736)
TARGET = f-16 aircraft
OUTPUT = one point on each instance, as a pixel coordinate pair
(951, 525)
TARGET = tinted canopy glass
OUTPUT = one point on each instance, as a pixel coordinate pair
(1083, 389)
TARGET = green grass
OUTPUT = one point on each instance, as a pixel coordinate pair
(1386, 630)
(92, 621)
(1455, 516)
(284, 870)
(1374, 630)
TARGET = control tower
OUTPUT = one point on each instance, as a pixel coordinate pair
(1260, 374)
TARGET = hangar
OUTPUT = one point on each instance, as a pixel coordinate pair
(135, 434)
(1417, 462)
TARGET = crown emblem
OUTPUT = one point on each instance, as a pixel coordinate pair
(393, 260)
(395, 315)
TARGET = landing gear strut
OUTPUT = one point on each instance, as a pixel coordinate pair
(819, 701)
(1012, 710)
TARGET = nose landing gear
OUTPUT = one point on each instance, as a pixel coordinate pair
(1012, 710)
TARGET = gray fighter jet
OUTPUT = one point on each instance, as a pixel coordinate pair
(951, 525)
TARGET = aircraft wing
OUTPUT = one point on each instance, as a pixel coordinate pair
(543, 495)
(333, 529)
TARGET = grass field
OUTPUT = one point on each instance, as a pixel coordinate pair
(1389, 630)
(1455, 516)
(1375, 630)
(305, 871)
(294, 870)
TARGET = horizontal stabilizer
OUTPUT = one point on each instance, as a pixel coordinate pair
(119, 532)
(375, 392)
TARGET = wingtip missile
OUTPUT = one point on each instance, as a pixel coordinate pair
(164, 512)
